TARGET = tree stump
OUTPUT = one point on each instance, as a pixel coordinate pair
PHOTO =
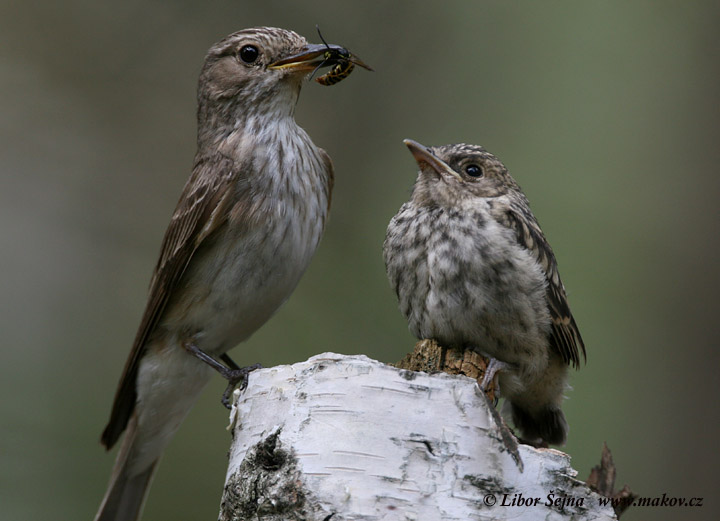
(348, 438)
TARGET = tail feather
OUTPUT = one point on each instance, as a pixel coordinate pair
(127, 491)
(535, 401)
(547, 424)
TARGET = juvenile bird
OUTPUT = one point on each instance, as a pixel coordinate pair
(244, 230)
(472, 269)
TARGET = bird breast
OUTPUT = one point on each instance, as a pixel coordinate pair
(254, 263)
(462, 279)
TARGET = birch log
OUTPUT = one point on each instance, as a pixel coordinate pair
(340, 438)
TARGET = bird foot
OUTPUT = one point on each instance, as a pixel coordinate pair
(237, 378)
(235, 375)
(489, 385)
(491, 372)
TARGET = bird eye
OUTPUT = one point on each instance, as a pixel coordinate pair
(249, 53)
(473, 170)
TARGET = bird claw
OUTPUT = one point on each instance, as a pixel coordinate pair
(490, 376)
(237, 378)
(235, 375)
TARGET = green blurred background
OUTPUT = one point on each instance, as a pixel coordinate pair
(607, 113)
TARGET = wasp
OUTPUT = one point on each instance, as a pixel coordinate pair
(345, 62)
(339, 72)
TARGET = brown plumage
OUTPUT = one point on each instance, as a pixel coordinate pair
(564, 334)
(244, 230)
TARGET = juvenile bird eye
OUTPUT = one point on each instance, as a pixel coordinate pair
(473, 171)
(249, 53)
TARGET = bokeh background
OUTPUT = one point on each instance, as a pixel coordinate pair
(607, 113)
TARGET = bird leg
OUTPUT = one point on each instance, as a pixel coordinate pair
(235, 375)
(229, 361)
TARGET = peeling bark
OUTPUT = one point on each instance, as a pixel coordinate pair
(430, 357)
(602, 481)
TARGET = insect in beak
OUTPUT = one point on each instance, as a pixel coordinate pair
(343, 60)
(309, 59)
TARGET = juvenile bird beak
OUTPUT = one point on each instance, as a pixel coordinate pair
(311, 57)
(424, 156)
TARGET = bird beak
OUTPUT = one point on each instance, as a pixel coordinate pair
(311, 57)
(424, 156)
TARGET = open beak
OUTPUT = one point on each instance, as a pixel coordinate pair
(424, 156)
(311, 57)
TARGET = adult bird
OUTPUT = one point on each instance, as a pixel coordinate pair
(244, 230)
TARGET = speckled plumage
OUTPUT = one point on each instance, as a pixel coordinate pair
(472, 269)
(244, 230)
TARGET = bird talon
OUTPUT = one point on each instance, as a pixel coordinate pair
(237, 379)
(491, 372)
(489, 383)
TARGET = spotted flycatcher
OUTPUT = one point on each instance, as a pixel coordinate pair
(472, 269)
(244, 230)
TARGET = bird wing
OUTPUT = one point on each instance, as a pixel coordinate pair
(199, 212)
(564, 334)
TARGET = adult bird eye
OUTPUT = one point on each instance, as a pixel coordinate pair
(249, 53)
(473, 171)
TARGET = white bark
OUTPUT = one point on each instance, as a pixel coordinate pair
(354, 439)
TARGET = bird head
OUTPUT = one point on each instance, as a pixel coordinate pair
(260, 70)
(451, 173)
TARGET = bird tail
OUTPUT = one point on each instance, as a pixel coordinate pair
(128, 487)
(546, 424)
(535, 406)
